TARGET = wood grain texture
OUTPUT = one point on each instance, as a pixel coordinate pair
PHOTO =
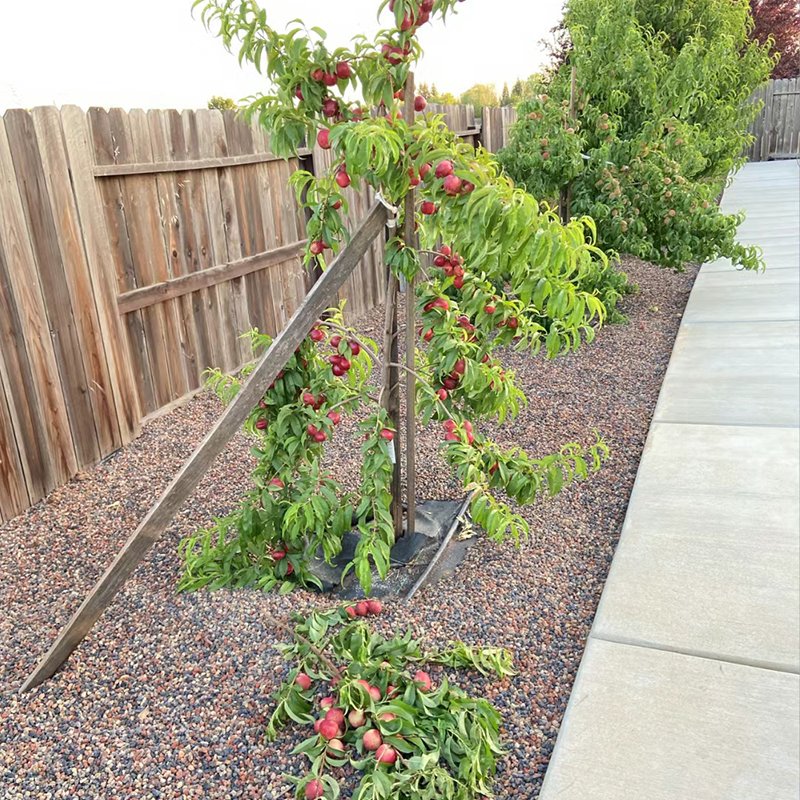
(185, 284)
(50, 415)
(50, 265)
(170, 502)
(99, 260)
(204, 163)
(55, 163)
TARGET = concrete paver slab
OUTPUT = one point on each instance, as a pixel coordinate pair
(651, 725)
(734, 373)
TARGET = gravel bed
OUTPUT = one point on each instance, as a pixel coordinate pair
(168, 695)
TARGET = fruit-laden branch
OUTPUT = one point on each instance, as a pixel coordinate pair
(170, 502)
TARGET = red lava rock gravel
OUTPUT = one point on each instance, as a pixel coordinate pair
(168, 695)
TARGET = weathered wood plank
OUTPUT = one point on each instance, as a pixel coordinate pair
(115, 170)
(14, 496)
(219, 247)
(178, 256)
(125, 398)
(52, 149)
(26, 286)
(170, 502)
(103, 150)
(52, 278)
(234, 240)
(185, 284)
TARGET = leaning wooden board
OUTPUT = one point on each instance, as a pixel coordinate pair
(184, 483)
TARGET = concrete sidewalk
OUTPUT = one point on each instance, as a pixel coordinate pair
(689, 687)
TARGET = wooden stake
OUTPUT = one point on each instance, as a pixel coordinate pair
(160, 515)
(410, 238)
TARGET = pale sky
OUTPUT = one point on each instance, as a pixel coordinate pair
(152, 54)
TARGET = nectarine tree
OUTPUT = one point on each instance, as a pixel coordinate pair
(508, 274)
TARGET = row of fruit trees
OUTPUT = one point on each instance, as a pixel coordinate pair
(489, 266)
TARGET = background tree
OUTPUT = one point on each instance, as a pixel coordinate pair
(524, 90)
(505, 97)
(662, 116)
(424, 91)
(221, 103)
(779, 19)
(480, 95)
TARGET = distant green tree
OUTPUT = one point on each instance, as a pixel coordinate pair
(222, 103)
(505, 97)
(525, 90)
(425, 91)
(480, 95)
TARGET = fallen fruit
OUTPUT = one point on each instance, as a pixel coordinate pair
(328, 729)
(372, 740)
(374, 606)
(356, 718)
(362, 609)
(350, 611)
(314, 790)
(387, 716)
(375, 694)
(276, 482)
(328, 702)
(424, 679)
(386, 754)
(335, 744)
(335, 715)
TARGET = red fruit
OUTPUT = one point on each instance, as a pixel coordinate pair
(261, 424)
(513, 322)
(460, 366)
(316, 335)
(372, 740)
(362, 609)
(400, 94)
(289, 568)
(413, 177)
(386, 754)
(446, 250)
(335, 714)
(428, 207)
(276, 482)
(328, 702)
(419, 103)
(424, 679)
(320, 436)
(387, 434)
(467, 426)
(467, 187)
(442, 394)
(441, 302)
(309, 399)
(337, 370)
(545, 155)
(317, 723)
(439, 261)
(459, 282)
(335, 744)
(334, 340)
(375, 694)
(330, 108)
(355, 347)
(350, 611)
(335, 417)
(406, 23)
(356, 718)
(444, 168)
(277, 555)
(450, 383)
(337, 205)
(490, 309)
(449, 425)
(323, 139)
(329, 80)
(493, 468)
(452, 185)
(428, 335)
(343, 70)
(424, 170)
(344, 363)
(452, 437)
(317, 74)
(312, 429)
(314, 790)
(316, 248)
(390, 690)
(329, 729)
(342, 178)
(303, 681)
(374, 606)
(387, 716)
(485, 358)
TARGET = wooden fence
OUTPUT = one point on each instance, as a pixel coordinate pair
(777, 127)
(495, 125)
(135, 249)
